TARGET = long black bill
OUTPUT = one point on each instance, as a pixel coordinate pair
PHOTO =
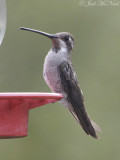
(40, 32)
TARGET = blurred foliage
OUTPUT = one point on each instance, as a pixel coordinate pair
(53, 133)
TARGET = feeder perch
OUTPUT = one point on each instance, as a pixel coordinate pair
(14, 109)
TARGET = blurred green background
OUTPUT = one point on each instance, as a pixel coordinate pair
(53, 132)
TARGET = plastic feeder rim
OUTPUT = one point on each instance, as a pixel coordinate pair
(14, 108)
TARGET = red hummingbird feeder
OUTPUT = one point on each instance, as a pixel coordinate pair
(14, 109)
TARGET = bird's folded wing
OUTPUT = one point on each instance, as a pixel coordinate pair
(75, 97)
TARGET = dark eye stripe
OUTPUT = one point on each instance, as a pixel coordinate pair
(66, 38)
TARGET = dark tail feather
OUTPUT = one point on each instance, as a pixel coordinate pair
(91, 130)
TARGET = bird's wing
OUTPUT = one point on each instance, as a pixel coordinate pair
(75, 97)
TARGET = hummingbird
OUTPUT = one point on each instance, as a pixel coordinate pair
(61, 77)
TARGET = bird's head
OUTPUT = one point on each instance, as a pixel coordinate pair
(59, 40)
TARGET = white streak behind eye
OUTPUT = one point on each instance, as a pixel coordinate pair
(71, 41)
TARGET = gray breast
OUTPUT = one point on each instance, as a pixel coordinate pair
(50, 72)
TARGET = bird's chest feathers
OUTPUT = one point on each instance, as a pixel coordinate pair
(53, 59)
(51, 74)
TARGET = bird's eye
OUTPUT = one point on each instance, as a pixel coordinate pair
(66, 38)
